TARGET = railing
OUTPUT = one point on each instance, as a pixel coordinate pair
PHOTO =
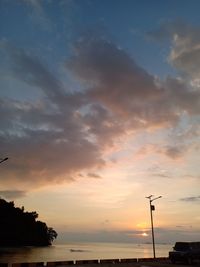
(75, 263)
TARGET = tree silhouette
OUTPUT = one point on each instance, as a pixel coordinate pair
(20, 228)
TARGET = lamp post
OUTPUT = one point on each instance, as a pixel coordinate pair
(2, 160)
(152, 207)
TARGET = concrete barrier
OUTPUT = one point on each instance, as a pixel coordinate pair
(145, 259)
(128, 260)
(59, 263)
(161, 258)
(16, 265)
(113, 261)
(79, 262)
(35, 264)
(28, 264)
(68, 263)
(92, 263)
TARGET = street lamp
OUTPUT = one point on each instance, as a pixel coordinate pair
(2, 160)
(152, 207)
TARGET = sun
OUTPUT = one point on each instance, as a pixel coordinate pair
(144, 234)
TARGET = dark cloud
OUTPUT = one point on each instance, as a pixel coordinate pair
(185, 43)
(173, 152)
(29, 69)
(94, 175)
(53, 138)
(115, 80)
(166, 30)
(162, 175)
(128, 91)
(191, 199)
(46, 140)
(12, 194)
(102, 125)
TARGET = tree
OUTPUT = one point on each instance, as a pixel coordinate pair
(20, 228)
(51, 234)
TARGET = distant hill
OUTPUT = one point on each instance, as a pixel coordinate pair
(20, 228)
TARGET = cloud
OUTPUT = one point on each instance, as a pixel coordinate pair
(12, 194)
(162, 175)
(185, 47)
(38, 15)
(173, 152)
(94, 175)
(166, 30)
(29, 69)
(128, 91)
(46, 140)
(191, 199)
(115, 80)
(54, 138)
(185, 54)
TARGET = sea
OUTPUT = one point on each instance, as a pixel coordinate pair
(81, 251)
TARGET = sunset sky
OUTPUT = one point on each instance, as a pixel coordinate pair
(100, 108)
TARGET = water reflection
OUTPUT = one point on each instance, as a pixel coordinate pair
(80, 251)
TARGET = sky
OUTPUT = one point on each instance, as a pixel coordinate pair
(100, 108)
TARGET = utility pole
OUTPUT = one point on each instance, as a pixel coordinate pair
(152, 208)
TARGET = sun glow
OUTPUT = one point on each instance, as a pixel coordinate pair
(144, 234)
(142, 225)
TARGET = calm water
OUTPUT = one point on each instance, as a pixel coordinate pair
(81, 251)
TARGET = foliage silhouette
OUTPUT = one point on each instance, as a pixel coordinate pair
(20, 228)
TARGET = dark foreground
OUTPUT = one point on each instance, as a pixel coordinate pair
(166, 263)
(144, 262)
